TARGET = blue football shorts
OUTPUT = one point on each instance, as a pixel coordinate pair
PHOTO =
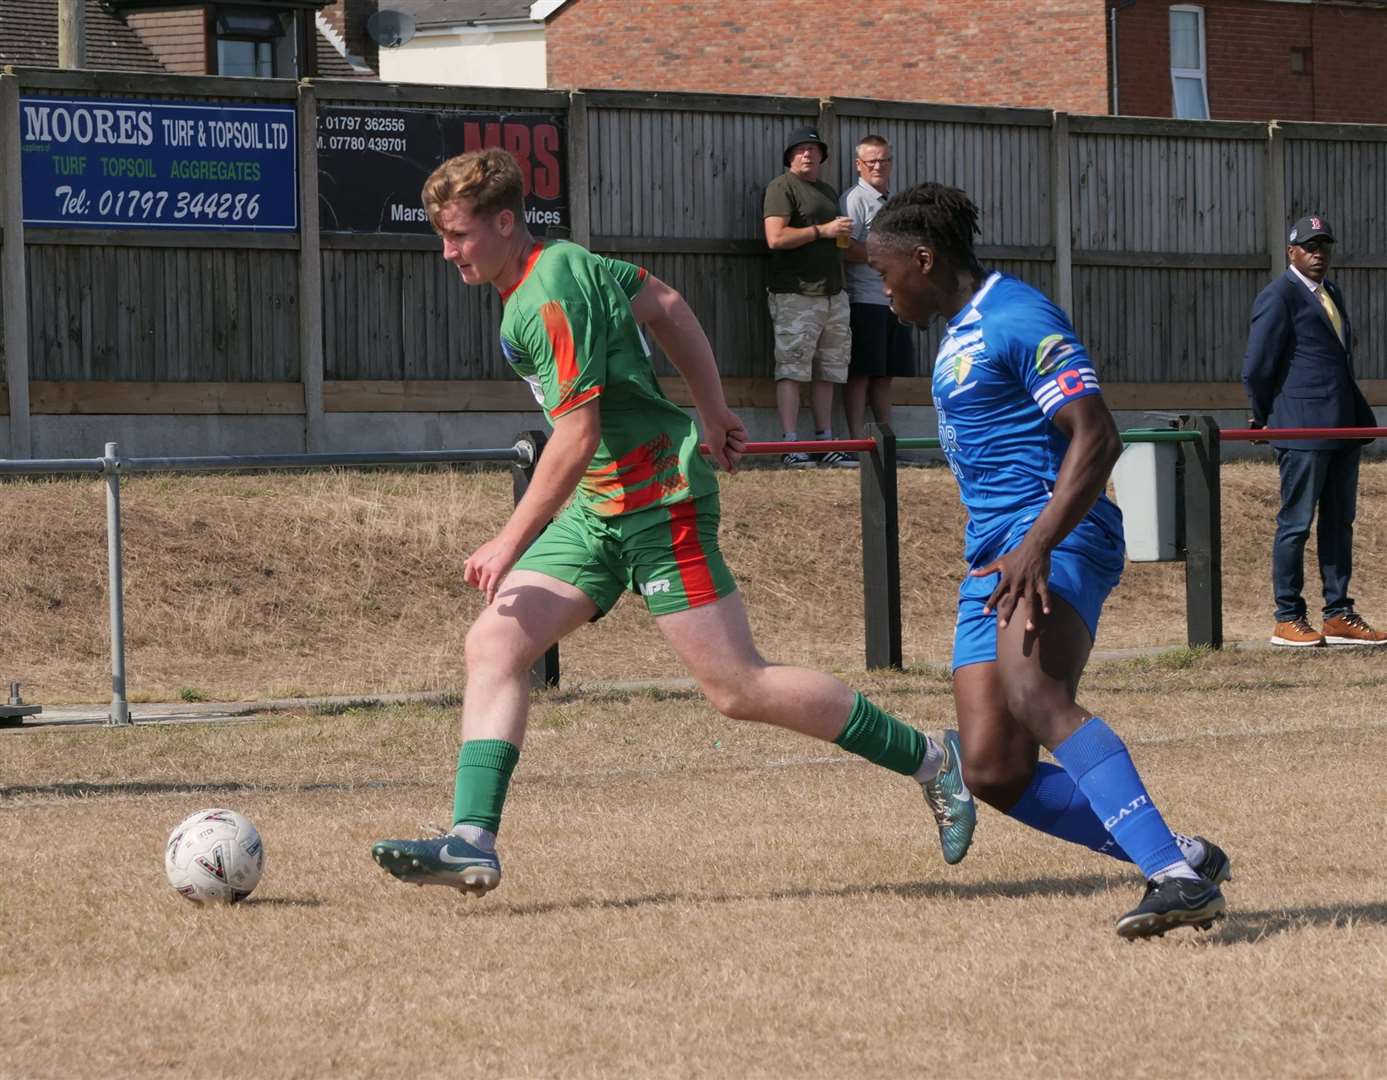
(1084, 569)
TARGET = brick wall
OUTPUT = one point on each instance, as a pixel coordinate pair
(1048, 54)
(177, 38)
(1248, 47)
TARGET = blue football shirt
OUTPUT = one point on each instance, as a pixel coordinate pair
(1007, 363)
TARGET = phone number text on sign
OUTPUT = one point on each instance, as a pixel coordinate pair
(131, 164)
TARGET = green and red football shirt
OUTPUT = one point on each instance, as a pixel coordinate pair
(568, 330)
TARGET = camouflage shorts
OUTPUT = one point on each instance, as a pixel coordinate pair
(812, 337)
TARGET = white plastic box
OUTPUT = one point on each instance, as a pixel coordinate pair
(1144, 483)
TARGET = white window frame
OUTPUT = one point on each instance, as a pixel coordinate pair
(1201, 72)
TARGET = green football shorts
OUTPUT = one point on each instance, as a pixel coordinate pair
(668, 554)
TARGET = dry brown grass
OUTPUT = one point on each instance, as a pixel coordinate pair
(351, 583)
(688, 897)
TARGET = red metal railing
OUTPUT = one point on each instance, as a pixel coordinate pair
(1298, 433)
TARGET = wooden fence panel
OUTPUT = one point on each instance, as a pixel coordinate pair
(1169, 237)
(406, 315)
(3, 449)
(1365, 296)
(1346, 181)
(1144, 324)
(683, 173)
(728, 294)
(1131, 192)
(1004, 168)
(162, 314)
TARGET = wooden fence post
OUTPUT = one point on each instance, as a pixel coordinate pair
(1276, 200)
(1203, 533)
(310, 273)
(545, 671)
(881, 553)
(1060, 214)
(14, 290)
(579, 180)
(828, 132)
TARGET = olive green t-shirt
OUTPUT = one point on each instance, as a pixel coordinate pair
(816, 269)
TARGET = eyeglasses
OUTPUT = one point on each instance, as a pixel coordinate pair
(879, 163)
(1318, 244)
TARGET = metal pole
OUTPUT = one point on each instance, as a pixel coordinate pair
(120, 708)
(881, 554)
(1203, 534)
(545, 671)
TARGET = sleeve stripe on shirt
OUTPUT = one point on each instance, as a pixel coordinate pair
(1067, 384)
(568, 404)
(561, 341)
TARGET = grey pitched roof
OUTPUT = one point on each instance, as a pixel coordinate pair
(459, 12)
(29, 37)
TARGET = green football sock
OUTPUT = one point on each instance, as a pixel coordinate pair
(484, 768)
(881, 738)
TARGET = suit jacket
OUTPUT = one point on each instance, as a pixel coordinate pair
(1297, 372)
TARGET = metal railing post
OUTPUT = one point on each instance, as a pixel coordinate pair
(545, 671)
(115, 584)
(1203, 521)
(881, 553)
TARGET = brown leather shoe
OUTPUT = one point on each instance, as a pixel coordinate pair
(1297, 633)
(1352, 629)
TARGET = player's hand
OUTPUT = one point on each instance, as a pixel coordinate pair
(726, 437)
(488, 566)
(1023, 587)
(1256, 426)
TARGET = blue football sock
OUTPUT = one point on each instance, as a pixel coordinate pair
(1054, 804)
(1102, 769)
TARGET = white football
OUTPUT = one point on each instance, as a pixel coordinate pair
(214, 857)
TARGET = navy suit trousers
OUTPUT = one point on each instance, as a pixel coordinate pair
(1326, 480)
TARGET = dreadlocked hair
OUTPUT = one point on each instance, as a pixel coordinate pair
(934, 215)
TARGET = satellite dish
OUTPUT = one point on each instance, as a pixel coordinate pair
(390, 29)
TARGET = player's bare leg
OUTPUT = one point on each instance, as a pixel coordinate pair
(715, 643)
(1025, 699)
(531, 612)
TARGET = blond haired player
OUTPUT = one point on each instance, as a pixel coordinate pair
(643, 517)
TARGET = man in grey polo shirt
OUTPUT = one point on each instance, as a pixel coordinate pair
(882, 348)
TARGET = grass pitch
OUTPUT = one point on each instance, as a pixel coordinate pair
(685, 896)
(254, 587)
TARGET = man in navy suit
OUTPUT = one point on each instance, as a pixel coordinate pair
(1299, 373)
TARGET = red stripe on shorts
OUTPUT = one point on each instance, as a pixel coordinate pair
(699, 587)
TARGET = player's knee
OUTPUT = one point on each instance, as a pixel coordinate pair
(487, 650)
(1031, 704)
(734, 699)
(997, 783)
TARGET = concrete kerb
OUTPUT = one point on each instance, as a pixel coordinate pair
(73, 717)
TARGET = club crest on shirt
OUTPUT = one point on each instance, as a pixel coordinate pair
(1052, 352)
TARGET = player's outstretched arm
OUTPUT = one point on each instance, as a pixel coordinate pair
(676, 328)
(566, 457)
(1094, 447)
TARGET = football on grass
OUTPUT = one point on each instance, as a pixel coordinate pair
(214, 857)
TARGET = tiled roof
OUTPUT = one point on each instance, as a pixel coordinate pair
(459, 12)
(29, 37)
